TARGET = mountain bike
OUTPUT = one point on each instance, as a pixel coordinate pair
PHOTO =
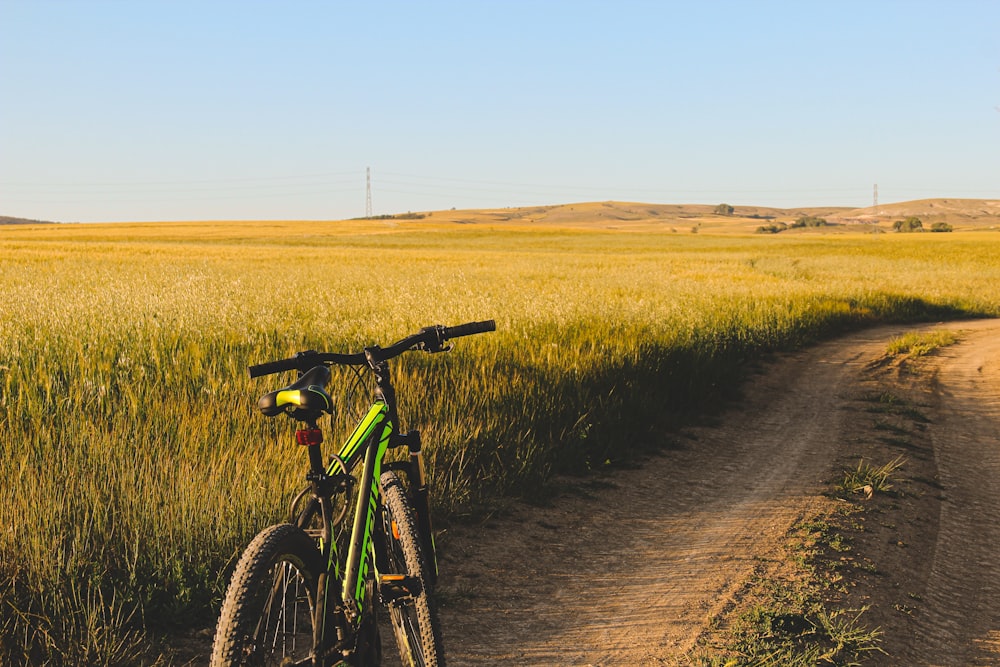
(309, 591)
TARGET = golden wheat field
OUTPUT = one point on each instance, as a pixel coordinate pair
(134, 465)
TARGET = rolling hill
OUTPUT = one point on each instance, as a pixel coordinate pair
(8, 220)
(960, 213)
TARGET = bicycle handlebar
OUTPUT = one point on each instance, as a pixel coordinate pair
(428, 339)
(469, 329)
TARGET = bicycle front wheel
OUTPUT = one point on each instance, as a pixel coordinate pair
(267, 614)
(413, 614)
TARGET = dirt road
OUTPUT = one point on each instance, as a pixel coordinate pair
(960, 624)
(633, 571)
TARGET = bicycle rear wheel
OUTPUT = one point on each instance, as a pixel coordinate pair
(412, 614)
(266, 617)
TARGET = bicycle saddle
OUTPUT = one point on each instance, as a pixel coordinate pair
(303, 397)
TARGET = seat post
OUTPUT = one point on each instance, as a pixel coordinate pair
(311, 438)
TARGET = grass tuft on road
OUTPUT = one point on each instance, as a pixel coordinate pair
(920, 343)
(869, 479)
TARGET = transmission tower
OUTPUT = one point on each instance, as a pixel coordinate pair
(368, 192)
(874, 218)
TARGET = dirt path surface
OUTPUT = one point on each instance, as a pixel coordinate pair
(633, 570)
(960, 623)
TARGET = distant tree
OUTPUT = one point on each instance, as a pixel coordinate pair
(773, 228)
(810, 221)
(910, 224)
(941, 227)
(724, 209)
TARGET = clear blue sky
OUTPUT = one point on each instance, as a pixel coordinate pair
(216, 109)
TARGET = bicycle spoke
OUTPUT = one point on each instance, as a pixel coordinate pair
(267, 614)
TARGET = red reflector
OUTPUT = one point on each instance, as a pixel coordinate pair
(309, 436)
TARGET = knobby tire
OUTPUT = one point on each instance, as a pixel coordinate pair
(266, 616)
(414, 617)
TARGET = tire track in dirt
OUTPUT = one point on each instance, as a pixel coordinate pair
(634, 574)
(959, 619)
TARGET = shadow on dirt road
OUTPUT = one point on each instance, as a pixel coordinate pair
(632, 570)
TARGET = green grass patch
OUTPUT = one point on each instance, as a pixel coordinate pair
(776, 637)
(920, 344)
(786, 620)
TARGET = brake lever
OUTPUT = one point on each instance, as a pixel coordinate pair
(434, 348)
(308, 358)
(437, 345)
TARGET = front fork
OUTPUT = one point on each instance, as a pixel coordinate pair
(419, 495)
(414, 472)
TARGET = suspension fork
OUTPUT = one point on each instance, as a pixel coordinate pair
(419, 495)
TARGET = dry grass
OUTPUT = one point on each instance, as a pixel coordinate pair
(134, 465)
(963, 214)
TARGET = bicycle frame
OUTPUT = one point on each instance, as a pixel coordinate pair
(367, 445)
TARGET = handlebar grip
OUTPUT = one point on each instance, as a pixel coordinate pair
(301, 362)
(469, 329)
(272, 367)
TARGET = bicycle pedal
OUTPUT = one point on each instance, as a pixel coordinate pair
(392, 587)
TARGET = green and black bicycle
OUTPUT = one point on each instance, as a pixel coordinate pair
(308, 592)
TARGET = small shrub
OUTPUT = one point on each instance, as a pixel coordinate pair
(941, 227)
(774, 228)
(868, 479)
(409, 215)
(809, 221)
(910, 224)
